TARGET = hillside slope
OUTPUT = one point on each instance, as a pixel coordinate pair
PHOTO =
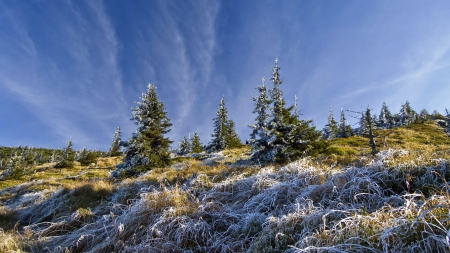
(344, 200)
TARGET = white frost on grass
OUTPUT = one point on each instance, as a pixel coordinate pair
(296, 208)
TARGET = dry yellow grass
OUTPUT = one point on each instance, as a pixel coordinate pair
(12, 242)
(174, 202)
(423, 142)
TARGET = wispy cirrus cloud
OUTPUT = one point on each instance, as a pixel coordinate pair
(74, 87)
(180, 48)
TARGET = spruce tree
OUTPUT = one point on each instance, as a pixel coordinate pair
(258, 137)
(148, 148)
(363, 127)
(407, 114)
(67, 158)
(301, 138)
(231, 138)
(424, 115)
(369, 130)
(344, 129)
(287, 136)
(87, 157)
(114, 150)
(331, 129)
(385, 120)
(196, 146)
(224, 135)
(184, 147)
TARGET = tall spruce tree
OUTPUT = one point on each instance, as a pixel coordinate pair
(148, 148)
(196, 144)
(224, 135)
(114, 150)
(331, 129)
(287, 136)
(271, 130)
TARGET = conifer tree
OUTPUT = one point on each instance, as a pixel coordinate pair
(385, 120)
(148, 148)
(224, 135)
(407, 114)
(258, 137)
(196, 144)
(114, 150)
(87, 157)
(184, 147)
(231, 138)
(331, 129)
(301, 138)
(369, 130)
(67, 158)
(287, 136)
(344, 129)
(424, 115)
(363, 127)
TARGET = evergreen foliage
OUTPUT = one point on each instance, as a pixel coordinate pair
(287, 137)
(232, 139)
(67, 158)
(114, 150)
(424, 115)
(148, 148)
(87, 157)
(196, 145)
(363, 126)
(370, 126)
(331, 129)
(262, 107)
(366, 128)
(385, 120)
(258, 137)
(407, 114)
(184, 147)
(224, 134)
(344, 129)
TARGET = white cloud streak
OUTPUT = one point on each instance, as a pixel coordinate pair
(75, 96)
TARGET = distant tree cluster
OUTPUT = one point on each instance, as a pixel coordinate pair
(187, 146)
(333, 130)
(386, 120)
(19, 161)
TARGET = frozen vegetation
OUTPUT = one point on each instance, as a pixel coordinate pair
(381, 187)
(384, 205)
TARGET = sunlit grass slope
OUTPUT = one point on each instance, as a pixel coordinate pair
(343, 200)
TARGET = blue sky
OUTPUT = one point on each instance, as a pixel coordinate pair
(74, 69)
